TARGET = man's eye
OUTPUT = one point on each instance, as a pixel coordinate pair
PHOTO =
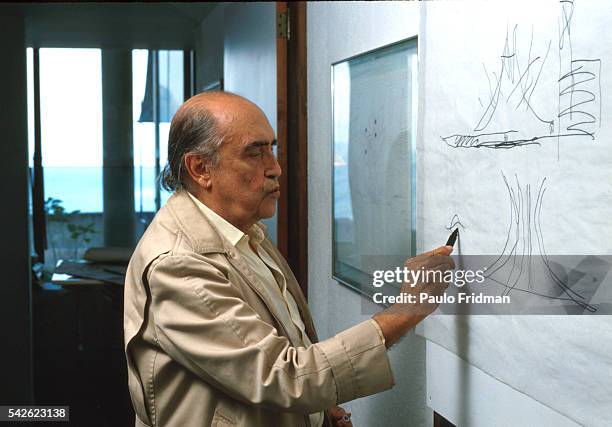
(260, 151)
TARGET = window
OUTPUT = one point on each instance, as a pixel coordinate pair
(71, 134)
(72, 142)
(158, 91)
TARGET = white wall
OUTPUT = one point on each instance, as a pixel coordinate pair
(250, 54)
(338, 30)
(236, 42)
(209, 49)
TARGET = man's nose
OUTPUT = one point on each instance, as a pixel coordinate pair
(273, 169)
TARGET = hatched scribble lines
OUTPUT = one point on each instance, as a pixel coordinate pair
(518, 76)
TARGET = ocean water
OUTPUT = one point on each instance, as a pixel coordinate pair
(81, 188)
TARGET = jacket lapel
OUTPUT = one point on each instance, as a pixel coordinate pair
(294, 289)
(261, 290)
(205, 239)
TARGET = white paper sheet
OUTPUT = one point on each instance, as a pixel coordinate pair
(516, 119)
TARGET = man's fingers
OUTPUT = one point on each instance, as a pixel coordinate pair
(425, 256)
(432, 262)
(442, 250)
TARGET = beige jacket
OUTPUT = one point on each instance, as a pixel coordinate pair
(205, 348)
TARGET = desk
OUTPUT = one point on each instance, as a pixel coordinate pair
(68, 280)
(78, 353)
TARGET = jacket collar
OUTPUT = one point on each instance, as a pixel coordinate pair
(202, 235)
(223, 227)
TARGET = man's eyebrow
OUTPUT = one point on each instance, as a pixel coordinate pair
(256, 144)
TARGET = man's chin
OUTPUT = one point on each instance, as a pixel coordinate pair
(268, 211)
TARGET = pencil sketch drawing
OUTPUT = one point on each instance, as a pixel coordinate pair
(515, 268)
(572, 110)
(454, 223)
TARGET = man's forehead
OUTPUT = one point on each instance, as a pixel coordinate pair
(231, 110)
(247, 127)
(251, 137)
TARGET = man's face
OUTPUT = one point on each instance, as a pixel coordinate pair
(246, 179)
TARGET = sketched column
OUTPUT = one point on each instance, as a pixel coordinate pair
(579, 83)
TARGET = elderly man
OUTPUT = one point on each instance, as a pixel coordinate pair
(217, 331)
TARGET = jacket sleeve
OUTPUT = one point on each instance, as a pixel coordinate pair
(202, 322)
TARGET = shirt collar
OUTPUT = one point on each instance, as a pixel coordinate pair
(226, 229)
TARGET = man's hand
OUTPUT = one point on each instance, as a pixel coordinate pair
(432, 265)
(339, 416)
(398, 319)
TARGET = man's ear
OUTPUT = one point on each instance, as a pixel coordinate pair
(199, 170)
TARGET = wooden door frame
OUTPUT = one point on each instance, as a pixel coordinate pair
(282, 134)
(292, 139)
(440, 421)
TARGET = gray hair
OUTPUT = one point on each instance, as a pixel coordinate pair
(194, 130)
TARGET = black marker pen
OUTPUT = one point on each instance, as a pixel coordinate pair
(453, 237)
